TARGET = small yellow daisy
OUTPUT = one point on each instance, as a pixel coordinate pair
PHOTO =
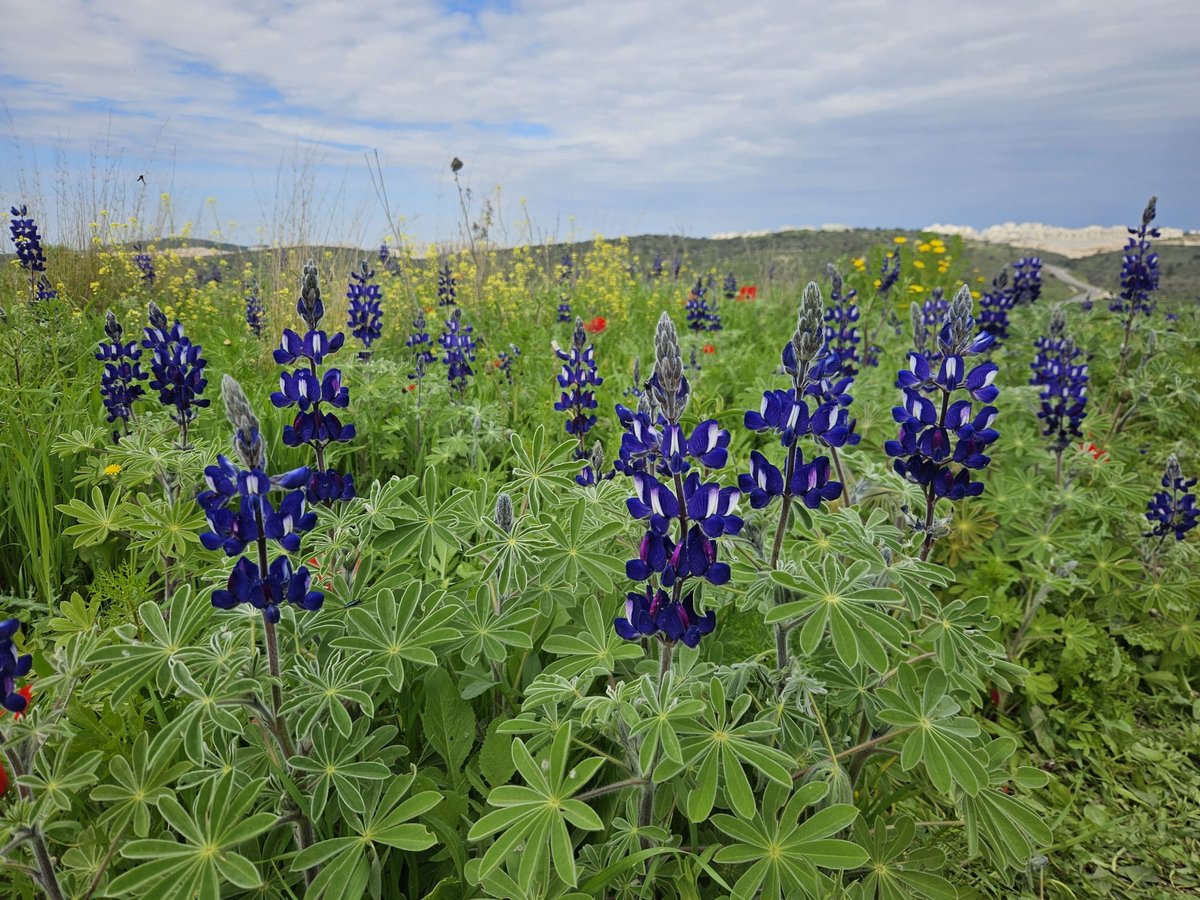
(900, 239)
(112, 469)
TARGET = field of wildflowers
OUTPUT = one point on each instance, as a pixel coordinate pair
(571, 572)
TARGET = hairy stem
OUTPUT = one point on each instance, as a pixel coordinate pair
(781, 638)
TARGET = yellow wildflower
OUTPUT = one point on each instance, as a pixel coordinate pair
(917, 264)
(900, 239)
(916, 289)
(112, 469)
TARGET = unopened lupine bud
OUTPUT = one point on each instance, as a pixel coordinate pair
(917, 315)
(158, 319)
(1150, 211)
(835, 279)
(1173, 472)
(668, 382)
(504, 513)
(1058, 324)
(112, 327)
(959, 324)
(810, 331)
(248, 444)
(309, 306)
(597, 459)
(579, 337)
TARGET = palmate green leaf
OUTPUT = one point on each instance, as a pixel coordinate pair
(337, 765)
(545, 471)
(56, 777)
(204, 860)
(398, 627)
(894, 873)
(324, 687)
(785, 853)
(166, 529)
(595, 648)
(97, 521)
(425, 526)
(488, 633)
(1002, 825)
(964, 649)
(936, 736)
(128, 666)
(210, 705)
(576, 551)
(346, 861)
(717, 749)
(661, 717)
(844, 600)
(137, 784)
(537, 815)
(509, 554)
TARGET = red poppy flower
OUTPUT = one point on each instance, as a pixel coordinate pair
(25, 691)
(709, 348)
(747, 292)
(1097, 453)
(596, 325)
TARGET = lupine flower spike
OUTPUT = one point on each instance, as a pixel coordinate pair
(176, 369)
(240, 513)
(365, 311)
(145, 265)
(1139, 278)
(889, 274)
(255, 313)
(939, 445)
(995, 304)
(786, 414)
(459, 345)
(1063, 380)
(312, 393)
(1173, 510)
(655, 444)
(30, 256)
(577, 379)
(447, 289)
(119, 384)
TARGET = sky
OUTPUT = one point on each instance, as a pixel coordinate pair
(598, 116)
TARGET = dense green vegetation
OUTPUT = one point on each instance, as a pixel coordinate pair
(998, 702)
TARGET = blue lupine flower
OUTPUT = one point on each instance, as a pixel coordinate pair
(447, 289)
(697, 308)
(841, 329)
(281, 584)
(1139, 268)
(654, 612)
(593, 472)
(255, 312)
(456, 340)
(577, 377)
(930, 442)
(676, 265)
(303, 389)
(656, 267)
(994, 306)
(365, 310)
(1063, 382)
(419, 342)
(656, 443)
(239, 512)
(786, 413)
(119, 382)
(729, 286)
(1027, 279)
(1173, 510)
(176, 369)
(145, 265)
(390, 264)
(506, 359)
(12, 666)
(28, 242)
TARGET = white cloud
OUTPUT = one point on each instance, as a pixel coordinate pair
(654, 112)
